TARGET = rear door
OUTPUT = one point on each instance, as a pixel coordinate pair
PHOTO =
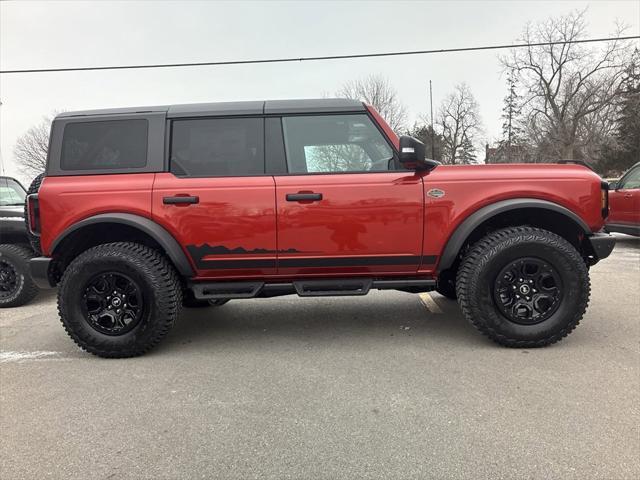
(216, 200)
(344, 207)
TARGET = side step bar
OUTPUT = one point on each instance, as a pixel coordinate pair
(213, 290)
(330, 288)
(306, 288)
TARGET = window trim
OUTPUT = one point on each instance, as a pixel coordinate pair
(169, 146)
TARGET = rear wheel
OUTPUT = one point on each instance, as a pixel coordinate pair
(119, 299)
(523, 287)
(16, 285)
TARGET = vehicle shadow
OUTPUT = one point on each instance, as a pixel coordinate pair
(628, 241)
(379, 317)
(45, 297)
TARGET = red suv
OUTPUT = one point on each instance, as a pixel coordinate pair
(624, 199)
(144, 210)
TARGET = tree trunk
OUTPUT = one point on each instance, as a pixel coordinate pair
(567, 152)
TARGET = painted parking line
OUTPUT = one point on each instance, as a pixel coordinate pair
(429, 303)
(7, 356)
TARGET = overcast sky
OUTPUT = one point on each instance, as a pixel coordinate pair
(57, 34)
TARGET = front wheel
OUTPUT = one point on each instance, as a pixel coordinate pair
(523, 287)
(119, 299)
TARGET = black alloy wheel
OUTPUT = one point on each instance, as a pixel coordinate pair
(112, 303)
(8, 279)
(528, 291)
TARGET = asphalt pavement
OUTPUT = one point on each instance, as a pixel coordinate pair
(390, 385)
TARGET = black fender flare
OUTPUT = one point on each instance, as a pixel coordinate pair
(168, 243)
(462, 232)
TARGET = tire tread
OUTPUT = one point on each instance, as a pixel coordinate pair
(158, 270)
(475, 258)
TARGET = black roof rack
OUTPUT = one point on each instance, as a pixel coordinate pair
(260, 107)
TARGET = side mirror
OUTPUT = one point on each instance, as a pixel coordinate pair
(412, 155)
(613, 185)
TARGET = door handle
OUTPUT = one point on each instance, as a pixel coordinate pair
(176, 200)
(302, 197)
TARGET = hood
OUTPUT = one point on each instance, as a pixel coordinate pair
(519, 171)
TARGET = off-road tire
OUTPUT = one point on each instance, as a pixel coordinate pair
(478, 271)
(161, 294)
(33, 239)
(17, 257)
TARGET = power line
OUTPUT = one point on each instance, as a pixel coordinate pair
(313, 59)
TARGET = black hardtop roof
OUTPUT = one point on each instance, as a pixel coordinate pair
(269, 107)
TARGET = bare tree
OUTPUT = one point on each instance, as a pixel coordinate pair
(30, 151)
(566, 88)
(378, 92)
(460, 125)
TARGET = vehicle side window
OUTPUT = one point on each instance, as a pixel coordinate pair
(211, 147)
(11, 193)
(632, 180)
(335, 143)
(106, 144)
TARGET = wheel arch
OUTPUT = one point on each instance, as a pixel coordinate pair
(109, 227)
(542, 213)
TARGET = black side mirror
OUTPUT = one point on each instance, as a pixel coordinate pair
(613, 185)
(412, 155)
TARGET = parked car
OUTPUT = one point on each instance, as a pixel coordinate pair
(624, 203)
(16, 285)
(144, 209)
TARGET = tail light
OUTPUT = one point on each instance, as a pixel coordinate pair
(33, 213)
(604, 199)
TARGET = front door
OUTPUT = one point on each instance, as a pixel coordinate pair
(344, 207)
(216, 199)
(624, 202)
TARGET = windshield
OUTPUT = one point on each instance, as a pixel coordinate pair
(11, 192)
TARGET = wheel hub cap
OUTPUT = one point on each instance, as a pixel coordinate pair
(112, 303)
(528, 291)
(8, 279)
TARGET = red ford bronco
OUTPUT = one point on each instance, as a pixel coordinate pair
(144, 210)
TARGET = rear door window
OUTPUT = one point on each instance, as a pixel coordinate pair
(217, 147)
(113, 144)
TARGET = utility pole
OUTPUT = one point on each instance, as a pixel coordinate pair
(433, 147)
